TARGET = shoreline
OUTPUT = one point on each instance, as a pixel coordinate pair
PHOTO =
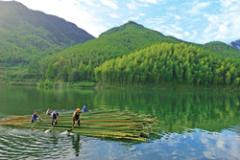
(97, 85)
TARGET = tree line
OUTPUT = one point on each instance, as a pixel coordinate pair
(166, 62)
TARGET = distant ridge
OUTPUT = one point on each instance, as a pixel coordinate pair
(25, 32)
(222, 48)
(236, 44)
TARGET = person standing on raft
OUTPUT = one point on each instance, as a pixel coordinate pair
(76, 117)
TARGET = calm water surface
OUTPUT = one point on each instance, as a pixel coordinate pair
(195, 124)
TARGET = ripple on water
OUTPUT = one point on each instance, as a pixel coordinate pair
(25, 143)
(193, 144)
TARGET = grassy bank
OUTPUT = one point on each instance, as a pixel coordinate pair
(50, 84)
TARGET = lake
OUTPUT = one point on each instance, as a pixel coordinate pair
(194, 123)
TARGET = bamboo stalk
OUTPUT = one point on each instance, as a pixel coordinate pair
(112, 124)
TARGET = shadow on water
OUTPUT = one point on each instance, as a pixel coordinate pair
(76, 144)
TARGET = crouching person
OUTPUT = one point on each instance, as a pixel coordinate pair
(76, 117)
(35, 117)
(54, 116)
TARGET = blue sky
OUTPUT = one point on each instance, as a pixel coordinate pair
(192, 20)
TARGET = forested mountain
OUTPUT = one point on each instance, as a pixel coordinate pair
(78, 62)
(236, 44)
(222, 48)
(167, 62)
(25, 34)
(122, 55)
(128, 54)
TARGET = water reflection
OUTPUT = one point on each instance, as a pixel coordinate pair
(76, 144)
(194, 124)
(193, 144)
(177, 111)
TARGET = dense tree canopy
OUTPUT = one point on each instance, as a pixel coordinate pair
(78, 62)
(128, 54)
(181, 63)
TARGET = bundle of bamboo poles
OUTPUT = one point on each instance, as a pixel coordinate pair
(112, 124)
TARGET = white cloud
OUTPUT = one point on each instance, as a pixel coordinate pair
(177, 17)
(149, 1)
(114, 15)
(91, 3)
(136, 4)
(223, 26)
(220, 145)
(161, 24)
(198, 6)
(228, 3)
(155, 21)
(133, 5)
(110, 3)
(133, 17)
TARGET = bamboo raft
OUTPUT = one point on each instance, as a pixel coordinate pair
(114, 124)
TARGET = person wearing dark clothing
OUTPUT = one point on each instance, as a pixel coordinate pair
(76, 117)
(54, 116)
(35, 117)
(84, 109)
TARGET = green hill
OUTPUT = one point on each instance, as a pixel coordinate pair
(78, 62)
(222, 48)
(166, 62)
(26, 34)
(119, 55)
(111, 55)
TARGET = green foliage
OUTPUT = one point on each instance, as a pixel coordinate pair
(26, 35)
(47, 84)
(78, 62)
(222, 49)
(180, 63)
(28, 40)
(18, 75)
